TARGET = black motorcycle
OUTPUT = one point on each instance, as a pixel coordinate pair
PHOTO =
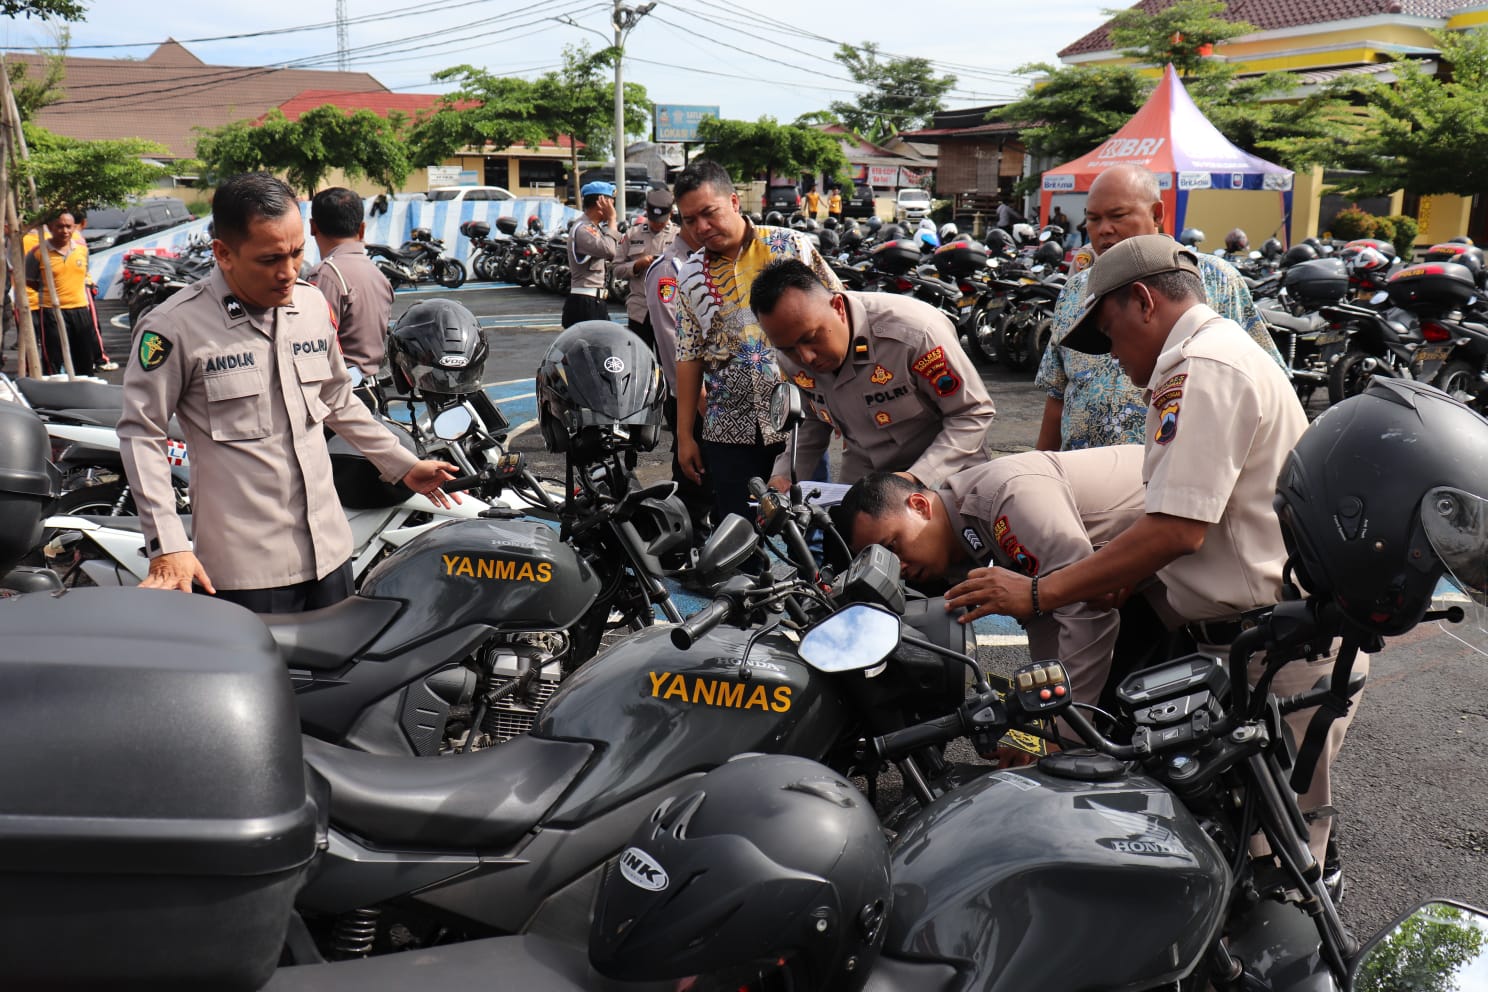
(421, 258)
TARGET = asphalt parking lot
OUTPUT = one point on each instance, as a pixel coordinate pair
(1410, 783)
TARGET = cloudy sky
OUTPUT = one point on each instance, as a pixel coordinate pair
(773, 59)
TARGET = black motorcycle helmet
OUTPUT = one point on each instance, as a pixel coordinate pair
(774, 219)
(438, 347)
(1301, 252)
(1050, 253)
(599, 390)
(873, 224)
(1271, 248)
(1000, 242)
(1191, 236)
(830, 224)
(774, 870)
(28, 482)
(1237, 240)
(1381, 495)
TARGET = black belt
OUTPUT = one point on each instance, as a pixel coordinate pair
(1225, 629)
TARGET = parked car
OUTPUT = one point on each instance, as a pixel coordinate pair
(860, 202)
(785, 197)
(109, 226)
(458, 194)
(911, 204)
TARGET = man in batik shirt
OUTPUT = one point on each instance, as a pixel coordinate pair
(720, 347)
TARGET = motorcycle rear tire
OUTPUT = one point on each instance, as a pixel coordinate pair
(979, 339)
(1459, 380)
(481, 267)
(1346, 378)
(450, 273)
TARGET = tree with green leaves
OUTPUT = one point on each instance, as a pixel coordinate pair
(1075, 108)
(748, 149)
(904, 93)
(1423, 133)
(1183, 33)
(62, 10)
(308, 149)
(577, 100)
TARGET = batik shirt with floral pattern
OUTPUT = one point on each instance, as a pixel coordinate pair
(715, 326)
(1101, 405)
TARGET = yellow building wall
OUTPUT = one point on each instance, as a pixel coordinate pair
(1307, 202)
(1218, 211)
(1442, 218)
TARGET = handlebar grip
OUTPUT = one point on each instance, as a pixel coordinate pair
(461, 482)
(757, 487)
(898, 743)
(685, 634)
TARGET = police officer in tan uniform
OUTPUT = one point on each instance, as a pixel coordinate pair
(592, 242)
(643, 244)
(360, 296)
(1221, 419)
(1034, 513)
(884, 370)
(247, 360)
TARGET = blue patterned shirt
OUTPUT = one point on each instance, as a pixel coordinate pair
(1101, 405)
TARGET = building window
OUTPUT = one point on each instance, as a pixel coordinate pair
(541, 173)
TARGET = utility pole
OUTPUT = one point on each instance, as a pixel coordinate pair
(343, 43)
(623, 19)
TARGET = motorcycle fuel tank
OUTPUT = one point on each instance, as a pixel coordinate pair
(1022, 880)
(661, 712)
(506, 574)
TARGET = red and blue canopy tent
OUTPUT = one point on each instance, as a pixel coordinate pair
(1173, 139)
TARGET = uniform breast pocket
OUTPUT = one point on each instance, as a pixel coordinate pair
(892, 408)
(313, 371)
(237, 406)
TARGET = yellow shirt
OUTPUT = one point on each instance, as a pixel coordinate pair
(69, 274)
(834, 204)
(813, 200)
(29, 242)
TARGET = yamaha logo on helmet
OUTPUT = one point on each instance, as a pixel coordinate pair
(641, 871)
(454, 361)
(614, 364)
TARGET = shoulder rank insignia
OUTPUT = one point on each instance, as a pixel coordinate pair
(880, 375)
(804, 381)
(234, 308)
(934, 369)
(153, 351)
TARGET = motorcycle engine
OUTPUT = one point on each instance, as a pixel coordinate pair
(519, 673)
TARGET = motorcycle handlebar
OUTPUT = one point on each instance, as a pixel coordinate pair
(899, 743)
(461, 483)
(685, 634)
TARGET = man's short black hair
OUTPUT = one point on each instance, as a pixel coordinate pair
(244, 198)
(591, 200)
(703, 172)
(337, 212)
(876, 494)
(775, 278)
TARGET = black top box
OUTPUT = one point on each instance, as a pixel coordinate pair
(959, 259)
(896, 257)
(1317, 283)
(1432, 286)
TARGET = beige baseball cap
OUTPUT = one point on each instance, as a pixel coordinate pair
(1121, 265)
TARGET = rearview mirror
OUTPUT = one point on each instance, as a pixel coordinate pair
(1379, 297)
(730, 546)
(1439, 945)
(851, 640)
(786, 407)
(452, 424)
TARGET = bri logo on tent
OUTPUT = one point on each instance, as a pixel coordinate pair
(1059, 183)
(1130, 147)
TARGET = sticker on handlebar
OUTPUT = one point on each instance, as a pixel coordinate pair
(1017, 739)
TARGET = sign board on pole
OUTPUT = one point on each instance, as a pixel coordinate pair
(677, 122)
(883, 176)
(443, 175)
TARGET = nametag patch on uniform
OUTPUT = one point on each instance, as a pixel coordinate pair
(804, 381)
(882, 418)
(1167, 422)
(880, 375)
(1002, 533)
(933, 367)
(869, 399)
(234, 308)
(318, 346)
(666, 289)
(153, 351)
(222, 363)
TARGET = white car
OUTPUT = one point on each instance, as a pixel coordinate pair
(459, 193)
(912, 204)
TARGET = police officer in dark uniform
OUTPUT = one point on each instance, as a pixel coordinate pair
(592, 242)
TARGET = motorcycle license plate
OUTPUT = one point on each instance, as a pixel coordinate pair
(1330, 337)
(1428, 359)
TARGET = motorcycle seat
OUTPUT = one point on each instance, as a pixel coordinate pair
(1297, 325)
(71, 395)
(481, 801)
(946, 289)
(127, 523)
(328, 638)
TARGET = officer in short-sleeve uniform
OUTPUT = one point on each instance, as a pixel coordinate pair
(906, 399)
(592, 242)
(641, 248)
(361, 298)
(661, 281)
(254, 392)
(1039, 511)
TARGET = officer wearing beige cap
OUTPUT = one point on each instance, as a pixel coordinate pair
(1220, 420)
(642, 245)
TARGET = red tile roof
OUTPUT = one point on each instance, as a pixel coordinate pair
(1269, 15)
(165, 96)
(380, 102)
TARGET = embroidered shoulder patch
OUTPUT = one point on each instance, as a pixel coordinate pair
(1167, 423)
(1169, 390)
(880, 375)
(666, 289)
(934, 369)
(804, 381)
(153, 351)
(1002, 533)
